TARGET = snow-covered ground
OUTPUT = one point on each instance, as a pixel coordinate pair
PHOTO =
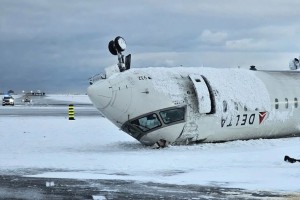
(80, 98)
(93, 148)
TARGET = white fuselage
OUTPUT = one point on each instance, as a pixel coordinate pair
(183, 105)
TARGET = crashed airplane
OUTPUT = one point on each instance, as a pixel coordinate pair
(161, 106)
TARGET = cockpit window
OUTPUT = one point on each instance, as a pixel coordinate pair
(172, 115)
(147, 123)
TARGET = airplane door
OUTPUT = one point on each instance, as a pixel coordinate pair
(204, 94)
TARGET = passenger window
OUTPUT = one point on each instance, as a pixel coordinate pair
(224, 106)
(236, 106)
(296, 102)
(147, 123)
(172, 115)
(276, 104)
(286, 103)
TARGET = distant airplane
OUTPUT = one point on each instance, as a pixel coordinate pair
(160, 106)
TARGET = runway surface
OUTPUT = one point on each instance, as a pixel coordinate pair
(44, 106)
(20, 187)
(21, 183)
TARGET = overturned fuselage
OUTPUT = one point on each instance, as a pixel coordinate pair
(183, 105)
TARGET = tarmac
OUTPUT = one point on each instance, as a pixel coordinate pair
(22, 187)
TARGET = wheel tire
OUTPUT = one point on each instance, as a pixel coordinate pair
(111, 48)
(119, 48)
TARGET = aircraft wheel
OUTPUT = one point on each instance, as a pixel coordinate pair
(120, 44)
(111, 48)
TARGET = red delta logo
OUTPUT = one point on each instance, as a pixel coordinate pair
(262, 116)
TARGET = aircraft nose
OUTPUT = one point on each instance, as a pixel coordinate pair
(100, 94)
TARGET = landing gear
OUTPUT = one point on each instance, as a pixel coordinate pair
(116, 47)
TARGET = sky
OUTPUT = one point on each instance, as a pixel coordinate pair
(56, 45)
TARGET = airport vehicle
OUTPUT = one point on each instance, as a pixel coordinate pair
(26, 100)
(181, 105)
(8, 100)
(37, 93)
